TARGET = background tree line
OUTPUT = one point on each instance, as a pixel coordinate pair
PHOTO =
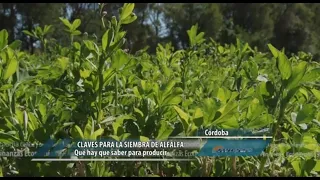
(293, 26)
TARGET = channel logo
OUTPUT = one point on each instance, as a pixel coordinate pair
(217, 148)
(232, 147)
(221, 149)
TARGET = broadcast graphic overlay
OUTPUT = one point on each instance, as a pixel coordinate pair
(210, 143)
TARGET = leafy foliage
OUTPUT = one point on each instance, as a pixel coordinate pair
(94, 89)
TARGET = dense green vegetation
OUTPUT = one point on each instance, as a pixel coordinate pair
(93, 88)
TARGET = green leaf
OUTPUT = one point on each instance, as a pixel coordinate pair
(306, 114)
(33, 120)
(221, 95)
(310, 143)
(260, 122)
(76, 23)
(254, 110)
(198, 117)
(102, 168)
(138, 112)
(143, 84)
(126, 10)
(7, 138)
(63, 62)
(284, 66)
(11, 68)
(274, 51)
(3, 39)
(88, 130)
(193, 37)
(66, 22)
(77, 45)
(296, 164)
(283, 148)
(168, 87)
(144, 139)
(297, 74)
(98, 133)
(232, 123)
(199, 38)
(107, 76)
(15, 44)
(220, 49)
(85, 73)
(304, 92)
(119, 37)
(226, 111)
(43, 110)
(266, 88)
(38, 31)
(312, 75)
(129, 19)
(6, 87)
(106, 39)
(89, 45)
(119, 59)
(245, 47)
(19, 116)
(316, 93)
(251, 69)
(118, 41)
(173, 99)
(210, 108)
(165, 130)
(309, 165)
(317, 166)
(183, 116)
(289, 95)
(293, 125)
(76, 32)
(76, 132)
(47, 29)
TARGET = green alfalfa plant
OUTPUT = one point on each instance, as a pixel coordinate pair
(4, 44)
(9, 81)
(112, 41)
(162, 96)
(292, 78)
(71, 28)
(195, 39)
(40, 34)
